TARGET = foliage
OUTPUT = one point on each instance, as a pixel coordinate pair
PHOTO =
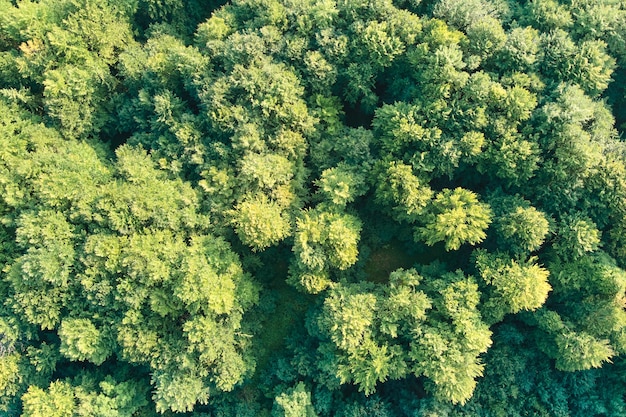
(295, 404)
(312, 208)
(512, 286)
(456, 217)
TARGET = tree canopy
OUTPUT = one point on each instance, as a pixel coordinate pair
(312, 208)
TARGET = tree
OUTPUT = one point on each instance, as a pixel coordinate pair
(576, 236)
(260, 222)
(68, 56)
(296, 403)
(519, 227)
(387, 332)
(57, 402)
(548, 15)
(588, 331)
(520, 49)
(485, 37)
(462, 14)
(454, 217)
(341, 185)
(513, 286)
(399, 188)
(81, 340)
(579, 351)
(452, 340)
(323, 240)
(85, 396)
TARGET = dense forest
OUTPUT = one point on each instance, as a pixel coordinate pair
(300, 208)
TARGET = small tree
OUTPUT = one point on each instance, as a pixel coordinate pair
(455, 217)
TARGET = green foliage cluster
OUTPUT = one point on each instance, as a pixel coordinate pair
(312, 208)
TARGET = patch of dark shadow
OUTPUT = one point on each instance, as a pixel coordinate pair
(357, 116)
(396, 254)
(385, 260)
(116, 140)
